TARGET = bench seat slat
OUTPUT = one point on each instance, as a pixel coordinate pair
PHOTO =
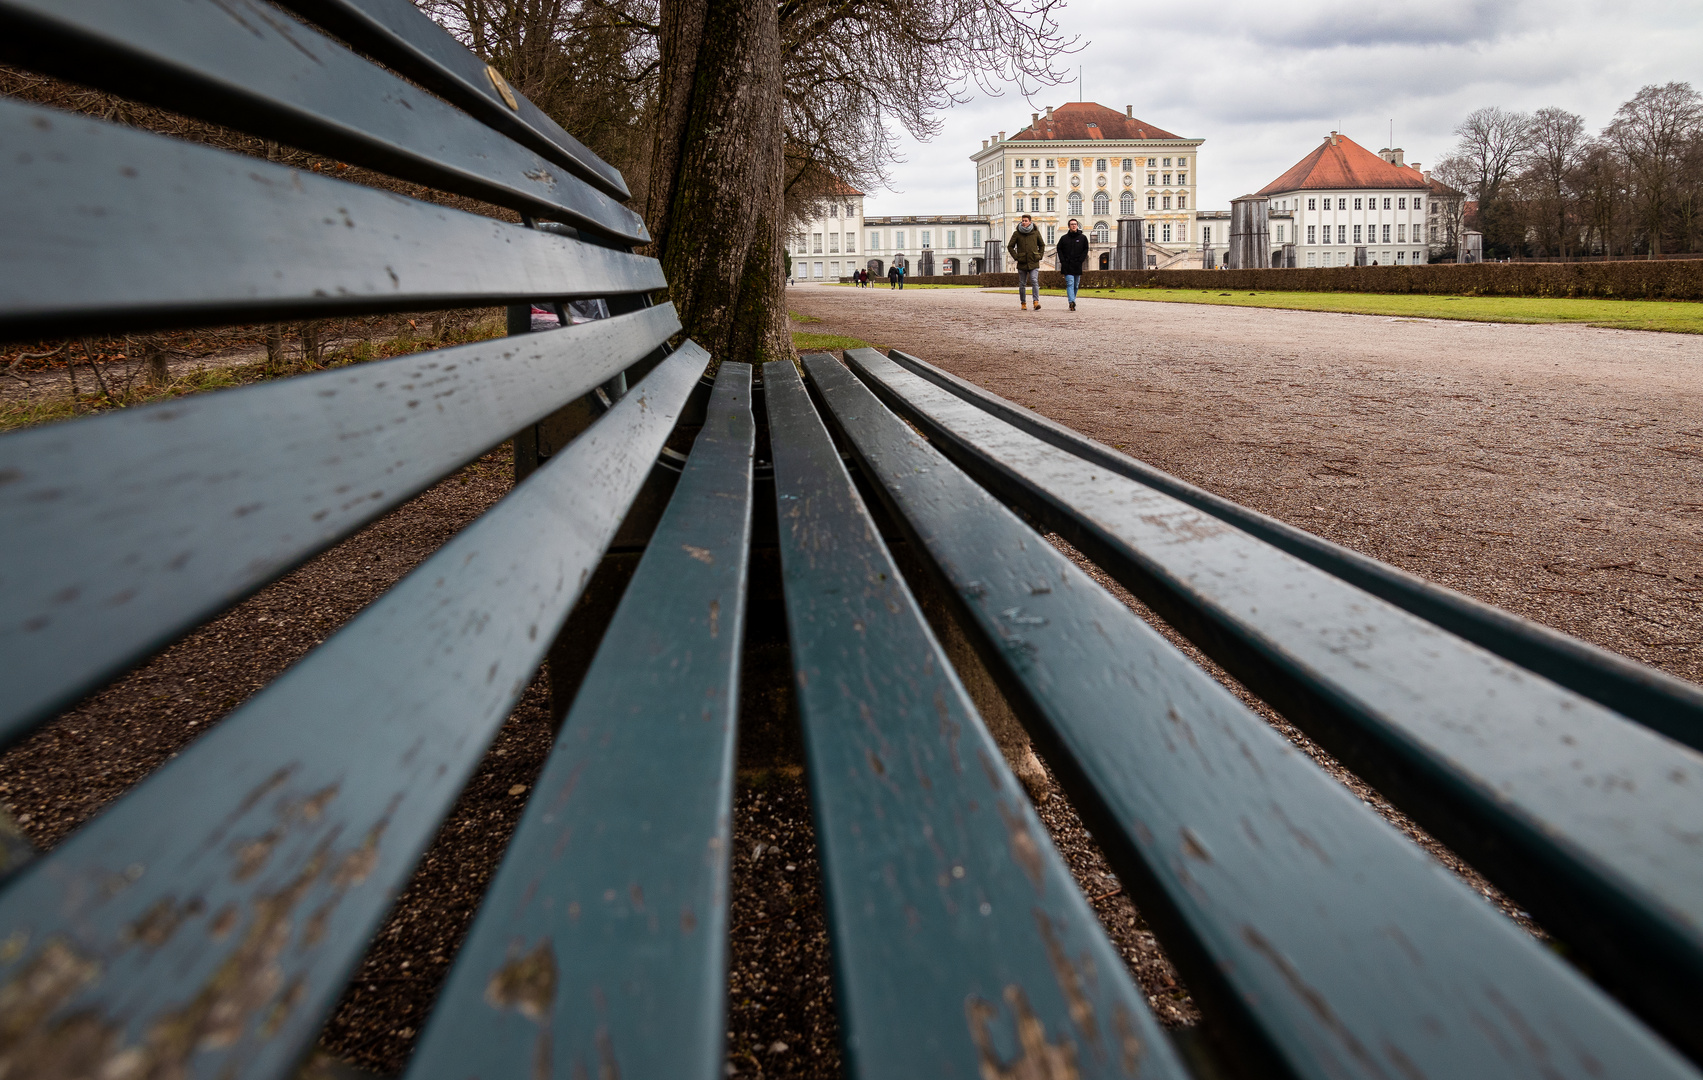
(961, 945)
(125, 530)
(1588, 819)
(205, 924)
(616, 881)
(1268, 875)
(404, 38)
(245, 65)
(1670, 705)
(108, 228)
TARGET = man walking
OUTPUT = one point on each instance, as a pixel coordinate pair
(1027, 247)
(1072, 253)
(893, 276)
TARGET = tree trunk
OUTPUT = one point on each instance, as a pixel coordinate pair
(715, 206)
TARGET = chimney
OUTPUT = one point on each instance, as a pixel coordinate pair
(1034, 118)
(1002, 136)
(1333, 138)
(1415, 167)
(984, 144)
(1049, 112)
(1129, 111)
(1427, 175)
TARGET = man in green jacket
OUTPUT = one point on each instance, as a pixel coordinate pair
(1027, 247)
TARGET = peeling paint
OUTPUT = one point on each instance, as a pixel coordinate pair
(1037, 1059)
(1070, 980)
(527, 983)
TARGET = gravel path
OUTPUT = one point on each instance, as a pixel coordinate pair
(1551, 470)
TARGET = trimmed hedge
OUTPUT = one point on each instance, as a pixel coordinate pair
(1677, 279)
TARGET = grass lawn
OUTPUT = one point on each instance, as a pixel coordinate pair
(1676, 316)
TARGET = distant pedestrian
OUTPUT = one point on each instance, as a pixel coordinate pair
(903, 270)
(1072, 255)
(893, 276)
(1027, 247)
(863, 278)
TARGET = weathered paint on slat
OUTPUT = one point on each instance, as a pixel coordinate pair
(1338, 941)
(601, 946)
(1671, 706)
(242, 64)
(961, 945)
(125, 530)
(107, 228)
(1590, 820)
(405, 39)
(205, 924)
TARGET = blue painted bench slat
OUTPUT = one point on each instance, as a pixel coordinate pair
(242, 64)
(401, 36)
(1289, 903)
(1652, 697)
(601, 946)
(209, 919)
(128, 529)
(962, 946)
(1587, 819)
(111, 228)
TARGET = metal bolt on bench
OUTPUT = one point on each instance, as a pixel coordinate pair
(205, 923)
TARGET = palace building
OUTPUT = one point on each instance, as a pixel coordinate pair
(1346, 206)
(825, 248)
(1086, 161)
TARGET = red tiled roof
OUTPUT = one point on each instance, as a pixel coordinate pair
(1086, 120)
(1341, 164)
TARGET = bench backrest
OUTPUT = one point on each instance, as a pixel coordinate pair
(206, 923)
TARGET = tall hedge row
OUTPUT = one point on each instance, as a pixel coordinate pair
(1678, 279)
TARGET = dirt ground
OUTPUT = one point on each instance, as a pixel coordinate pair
(1550, 470)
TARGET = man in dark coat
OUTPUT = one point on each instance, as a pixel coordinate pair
(893, 276)
(1026, 248)
(1072, 255)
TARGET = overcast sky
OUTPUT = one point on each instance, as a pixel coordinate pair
(1263, 83)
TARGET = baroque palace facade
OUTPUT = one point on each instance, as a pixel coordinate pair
(1089, 162)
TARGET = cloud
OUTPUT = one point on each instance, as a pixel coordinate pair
(1262, 84)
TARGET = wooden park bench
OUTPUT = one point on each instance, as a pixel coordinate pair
(205, 924)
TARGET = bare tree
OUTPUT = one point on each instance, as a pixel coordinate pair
(1654, 133)
(1455, 172)
(1557, 144)
(1493, 143)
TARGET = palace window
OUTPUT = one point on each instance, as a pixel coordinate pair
(1050, 181)
(1401, 256)
(951, 238)
(1165, 230)
(975, 238)
(1052, 204)
(1182, 178)
(1416, 205)
(851, 242)
(1280, 234)
(1102, 203)
(1312, 204)
(1152, 202)
(1126, 204)
(1164, 202)
(1129, 163)
(1401, 204)
(1076, 164)
(1356, 231)
(1052, 231)
(899, 240)
(1342, 234)
(1386, 204)
(1034, 206)
(1018, 207)
(1075, 203)
(1357, 205)
(1419, 234)
(1312, 234)
(833, 243)
(874, 242)
(1049, 163)
(1182, 232)
(1167, 163)
(1034, 181)
(1312, 257)
(1102, 234)
(1386, 234)
(1152, 163)
(816, 243)
(1401, 234)
(1152, 178)
(833, 211)
(1034, 163)
(1167, 179)
(1099, 164)
(1206, 235)
(1183, 201)
(1152, 231)
(1182, 162)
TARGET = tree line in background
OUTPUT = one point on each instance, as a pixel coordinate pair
(1545, 187)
